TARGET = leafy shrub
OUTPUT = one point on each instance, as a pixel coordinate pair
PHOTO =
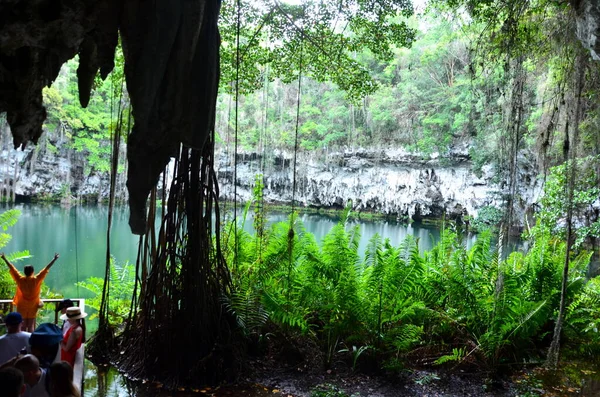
(487, 217)
(583, 317)
(122, 283)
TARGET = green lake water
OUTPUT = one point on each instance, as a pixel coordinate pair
(78, 234)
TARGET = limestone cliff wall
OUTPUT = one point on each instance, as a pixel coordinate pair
(391, 182)
(41, 172)
(588, 25)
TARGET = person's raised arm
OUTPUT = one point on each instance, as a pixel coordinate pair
(49, 265)
(12, 269)
(6, 260)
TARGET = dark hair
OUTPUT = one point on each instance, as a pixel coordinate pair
(61, 380)
(83, 329)
(12, 381)
(28, 270)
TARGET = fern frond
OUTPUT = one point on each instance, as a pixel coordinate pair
(19, 256)
(9, 218)
(457, 355)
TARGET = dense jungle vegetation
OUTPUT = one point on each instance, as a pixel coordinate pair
(396, 307)
(508, 81)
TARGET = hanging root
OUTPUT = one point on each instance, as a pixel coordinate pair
(180, 311)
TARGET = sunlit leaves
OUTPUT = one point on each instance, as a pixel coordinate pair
(554, 206)
(318, 39)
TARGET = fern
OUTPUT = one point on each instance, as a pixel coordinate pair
(244, 304)
(396, 298)
(9, 218)
(122, 282)
(457, 355)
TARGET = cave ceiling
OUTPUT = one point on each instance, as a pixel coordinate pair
(171, 50)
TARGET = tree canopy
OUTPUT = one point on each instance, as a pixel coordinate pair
(319, 38)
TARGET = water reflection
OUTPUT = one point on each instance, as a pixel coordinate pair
(78, 233)
(100, 381)
(320, 225)
(106, 381)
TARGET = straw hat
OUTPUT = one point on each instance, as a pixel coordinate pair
(73, 313)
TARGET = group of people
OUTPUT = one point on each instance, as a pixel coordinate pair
(56, 381)
(28, 355)
(29, 359)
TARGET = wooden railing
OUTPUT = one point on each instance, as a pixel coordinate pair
(6, 306)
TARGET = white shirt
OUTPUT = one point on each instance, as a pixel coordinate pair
(11, 345)
(65, 328)
(39, 390)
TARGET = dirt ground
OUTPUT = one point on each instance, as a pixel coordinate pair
(295, 368)
(419, 383)
(297, 371)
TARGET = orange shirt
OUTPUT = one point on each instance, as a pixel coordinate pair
(28, 288)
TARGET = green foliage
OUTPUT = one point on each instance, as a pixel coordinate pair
(583, 319)
(554, 203)
(259, 209)
(427, 379)
(122, 283)
(327, 390)
(476, 307)
(310, 37)
(7, 219)
(86, 131)
(356, 353)
(426, 101)
(457, 355)
(488, 217)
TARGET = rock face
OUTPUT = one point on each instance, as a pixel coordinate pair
(41, 173)
(588, 25)
(172, 67)
(36, 38)
(393, 182)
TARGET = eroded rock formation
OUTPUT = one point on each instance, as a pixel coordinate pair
(36, 38)
(171, 52)
(393, 182)
(588, 25)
